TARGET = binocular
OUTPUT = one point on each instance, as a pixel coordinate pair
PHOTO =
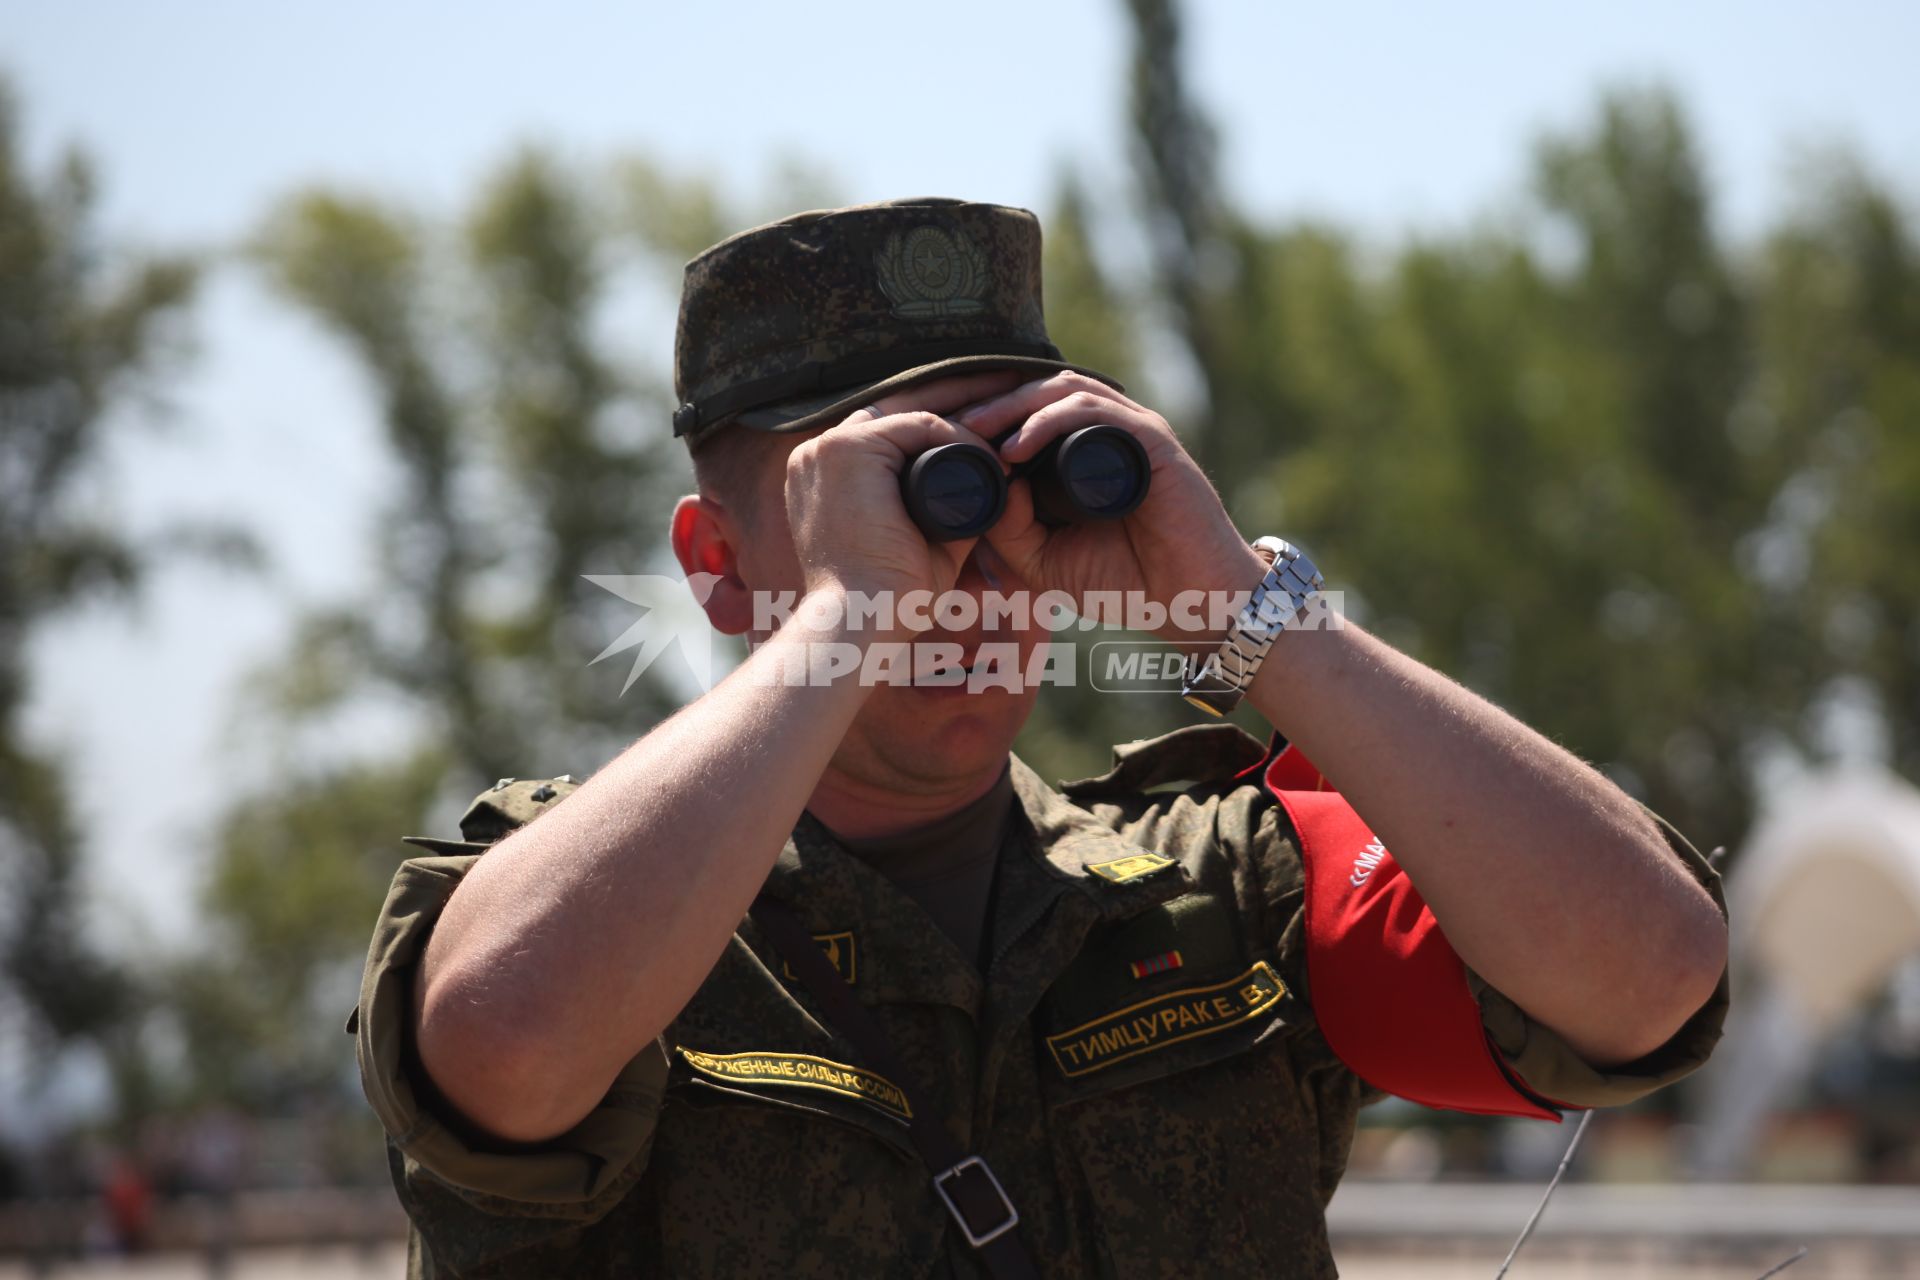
(956, 491)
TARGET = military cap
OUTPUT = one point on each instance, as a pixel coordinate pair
(797, 323)
(506, 806)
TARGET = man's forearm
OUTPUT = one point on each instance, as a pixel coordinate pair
(567, 948)
(1550, 882)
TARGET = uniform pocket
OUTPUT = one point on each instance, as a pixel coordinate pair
(1166, 1065)
(1209, 1168)
(1173, 1030)
(1161, 992)
(754, 1179)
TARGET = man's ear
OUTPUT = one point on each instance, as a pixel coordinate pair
(706, 540)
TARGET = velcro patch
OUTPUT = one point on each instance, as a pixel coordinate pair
(840, 954)
(1132, 867)
(802, 1071)
(1166, 1020)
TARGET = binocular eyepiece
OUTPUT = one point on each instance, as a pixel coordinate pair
(956, 491)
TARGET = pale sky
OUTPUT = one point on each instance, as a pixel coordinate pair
(1390, 117)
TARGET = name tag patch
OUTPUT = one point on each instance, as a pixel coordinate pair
(1166, 1020)
(1121, 870)
(840, 954)
(802, 1071)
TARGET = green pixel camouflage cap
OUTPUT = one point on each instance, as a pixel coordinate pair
(796, 324)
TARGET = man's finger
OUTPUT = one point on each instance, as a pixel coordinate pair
(1081, 409)
(910, 432)
(992, 416)
(943, 395)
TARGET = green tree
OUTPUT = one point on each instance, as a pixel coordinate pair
(87, 334)
(1648, 490)
(527, 454)
(1838, 331)
(522, 455)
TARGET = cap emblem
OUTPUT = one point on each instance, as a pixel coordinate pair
(930, 272)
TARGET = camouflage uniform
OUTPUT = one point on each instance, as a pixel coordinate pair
(1141, 1063)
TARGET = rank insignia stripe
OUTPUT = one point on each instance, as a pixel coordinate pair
(803, 1071)
(1165, 962)
(1166, 1020)
(1133, 867)
(842, 954)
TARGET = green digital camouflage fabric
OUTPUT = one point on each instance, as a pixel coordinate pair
(505, 806)
(1147, 1118)
(797, 323)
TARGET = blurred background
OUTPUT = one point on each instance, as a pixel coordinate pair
(1582, 346)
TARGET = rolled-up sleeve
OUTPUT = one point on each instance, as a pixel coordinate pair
(1396, 1003)
(439, 1164)
(1550, 1068)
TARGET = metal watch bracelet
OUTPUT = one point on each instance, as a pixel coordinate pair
(1276, 604)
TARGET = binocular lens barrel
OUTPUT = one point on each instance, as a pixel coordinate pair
(1097, 473)
(956, 491)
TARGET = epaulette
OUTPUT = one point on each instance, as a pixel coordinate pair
(506, 806)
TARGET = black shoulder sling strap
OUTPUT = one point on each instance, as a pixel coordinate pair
(964, 1183)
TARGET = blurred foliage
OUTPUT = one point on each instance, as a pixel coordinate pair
(289, 893)
(85, 333)
(1653, 493)
(525, 455)
(519, 457)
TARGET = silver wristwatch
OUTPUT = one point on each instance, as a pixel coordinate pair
(1275, 605)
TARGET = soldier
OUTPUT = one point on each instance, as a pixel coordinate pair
(815, 980)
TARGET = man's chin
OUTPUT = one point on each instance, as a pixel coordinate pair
(945, 732)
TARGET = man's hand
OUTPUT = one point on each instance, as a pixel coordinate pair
(1179, 539)
(850, 528)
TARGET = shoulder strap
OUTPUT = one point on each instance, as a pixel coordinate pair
(964, 1183)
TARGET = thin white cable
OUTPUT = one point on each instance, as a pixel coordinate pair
(1541, 1208)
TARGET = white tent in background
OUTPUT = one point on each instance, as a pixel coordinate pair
(1825, 902)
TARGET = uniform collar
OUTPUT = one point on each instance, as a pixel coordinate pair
(1053, 851)
(1051, 896)
(901, 954)
(943, 847)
